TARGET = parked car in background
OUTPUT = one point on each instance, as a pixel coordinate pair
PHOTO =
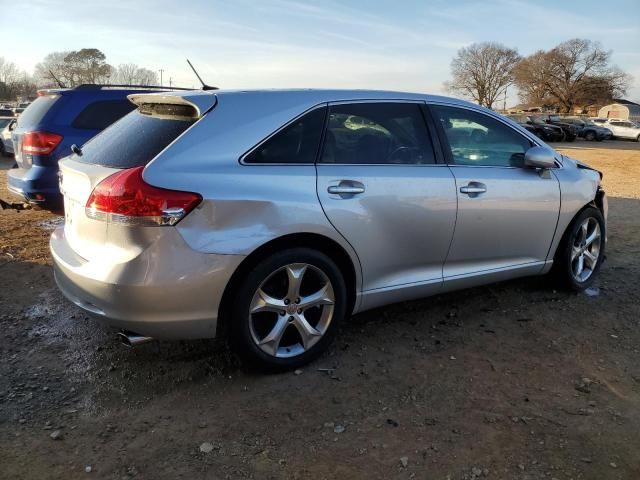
(273, 215)
(56, 120)
(624, 129)
(6, 125)
(570, 131)
(589, 130)
(537, 126)
(6, 112)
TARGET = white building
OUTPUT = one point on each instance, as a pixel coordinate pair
(622, 109)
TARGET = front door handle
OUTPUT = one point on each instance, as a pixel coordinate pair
(346, 188)
(473, 189)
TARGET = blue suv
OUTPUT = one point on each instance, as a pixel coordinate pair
(56, 120)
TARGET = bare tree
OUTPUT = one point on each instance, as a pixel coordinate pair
(13, 81)
(576, 71)
(132, 74)
(9, 73)
(87, 65)
(125, 73)
(54, 63)
(144, 76)
(482, 72)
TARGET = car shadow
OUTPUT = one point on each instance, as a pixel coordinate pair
(44, 333)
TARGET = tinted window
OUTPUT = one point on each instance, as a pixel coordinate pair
(99, 115)
(133, 141)
(377, 133)
(37, 110)
(296, 143)
(6, 113)
(4, 122)
(477, 139)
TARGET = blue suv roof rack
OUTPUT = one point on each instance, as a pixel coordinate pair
(96, 86)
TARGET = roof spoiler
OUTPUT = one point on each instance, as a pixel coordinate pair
(199, 102)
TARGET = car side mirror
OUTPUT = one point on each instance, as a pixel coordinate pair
(540, 157)
(12, 126)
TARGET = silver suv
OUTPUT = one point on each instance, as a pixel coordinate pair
(274, 215)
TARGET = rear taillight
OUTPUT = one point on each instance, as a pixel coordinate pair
(125, 198)
(40, 143)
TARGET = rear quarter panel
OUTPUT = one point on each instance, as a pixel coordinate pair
(244, 206)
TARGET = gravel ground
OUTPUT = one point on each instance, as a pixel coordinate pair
(509, 381)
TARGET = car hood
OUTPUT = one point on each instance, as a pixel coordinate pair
(572, 162)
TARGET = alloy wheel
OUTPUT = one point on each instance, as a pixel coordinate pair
(291, 310)
(585, 250)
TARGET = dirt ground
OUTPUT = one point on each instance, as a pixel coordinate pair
(509, 381)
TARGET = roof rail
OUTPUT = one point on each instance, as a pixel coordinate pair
(89, 86)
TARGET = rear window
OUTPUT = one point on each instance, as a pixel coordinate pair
(133, 141)
(35, 112)
(99, 115)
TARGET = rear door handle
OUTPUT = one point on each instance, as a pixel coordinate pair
(338, 189)
(346, 188)
(473, 189)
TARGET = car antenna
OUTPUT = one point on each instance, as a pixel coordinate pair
(204, 85)
(60, 84)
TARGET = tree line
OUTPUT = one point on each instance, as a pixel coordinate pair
(69, 69)
(576, 73)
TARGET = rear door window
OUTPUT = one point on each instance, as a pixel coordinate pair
(99, 115)
(35, 112)
(133, 141)
(377, 133)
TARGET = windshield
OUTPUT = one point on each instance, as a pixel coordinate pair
(132, 141)
(34, 113)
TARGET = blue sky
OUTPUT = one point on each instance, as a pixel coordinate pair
(400, 45)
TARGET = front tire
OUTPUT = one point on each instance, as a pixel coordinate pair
(287, 310)
(581, 250)
(590, 136)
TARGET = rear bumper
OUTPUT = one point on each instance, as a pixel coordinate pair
(37, 184)
(168, 291)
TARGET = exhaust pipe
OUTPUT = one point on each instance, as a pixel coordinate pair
(130, 339)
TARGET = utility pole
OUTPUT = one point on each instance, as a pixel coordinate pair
(161, 71)
(504, 104)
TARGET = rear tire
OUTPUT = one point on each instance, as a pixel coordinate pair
(288, 309)
(581, 251)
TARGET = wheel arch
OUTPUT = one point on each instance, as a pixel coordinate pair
(597, 202)
(322, 243)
